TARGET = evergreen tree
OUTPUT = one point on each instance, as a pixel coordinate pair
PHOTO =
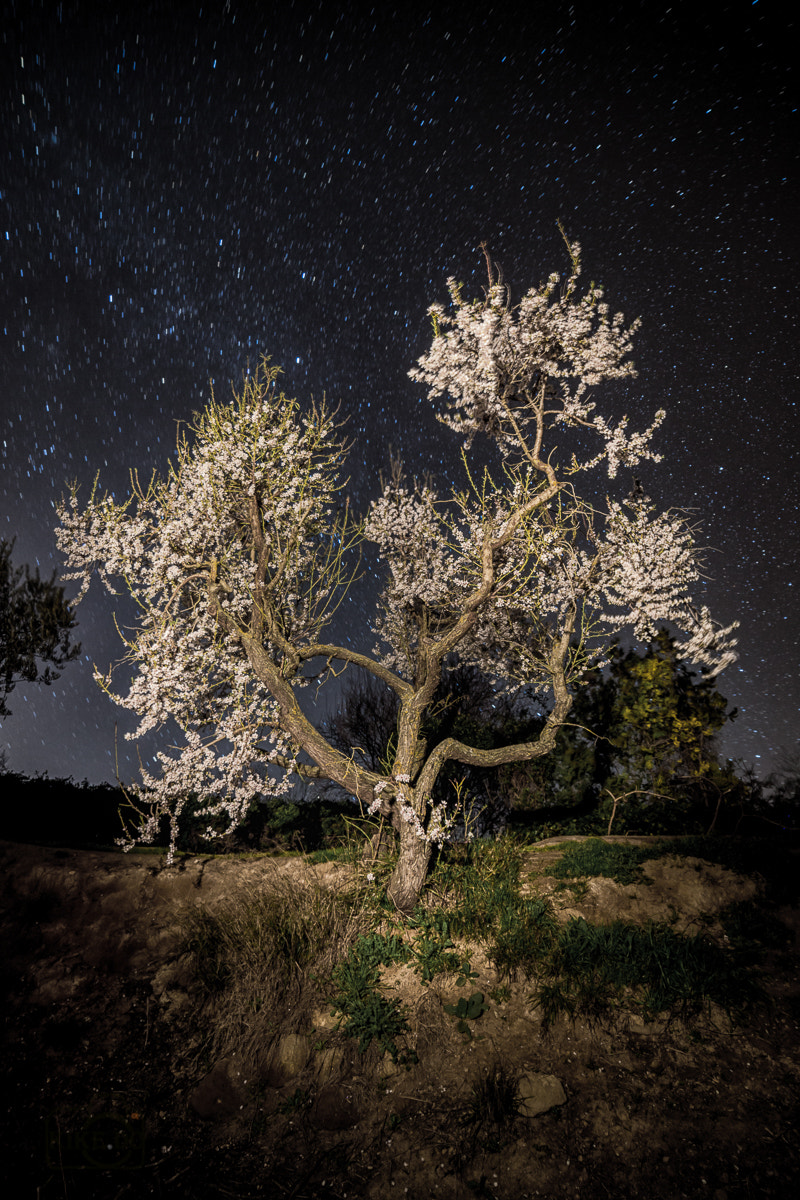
(655, 726)
(35, 627)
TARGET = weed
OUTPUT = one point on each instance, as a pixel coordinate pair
(591, 966)
(434, 949)
(493, 1106)
(373, 950)
(467, 1010)
(270, 929)
(330, 854)
(577, 889)
(524, 939)
(478, 885)
(369, 1016)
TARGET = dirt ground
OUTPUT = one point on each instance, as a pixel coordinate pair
(108, 1093)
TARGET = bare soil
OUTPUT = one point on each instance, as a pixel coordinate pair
(110, 1093)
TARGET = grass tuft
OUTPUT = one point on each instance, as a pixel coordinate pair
(256, 958)
(493, 1107)
(590, 968)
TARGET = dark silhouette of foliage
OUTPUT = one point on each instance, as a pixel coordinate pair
(59, 812)
(36, 623)
(465, 706)
(641, 747)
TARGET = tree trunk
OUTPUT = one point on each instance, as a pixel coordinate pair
(408, 876)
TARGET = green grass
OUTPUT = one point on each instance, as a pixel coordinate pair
(477, 884)
(591, 968)
(611, 859)
(331, 854)
(615, 860)
(523, 940)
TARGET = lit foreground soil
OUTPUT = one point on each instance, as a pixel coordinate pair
(111, 1089)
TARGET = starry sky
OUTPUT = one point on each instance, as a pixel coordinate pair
(186, 186)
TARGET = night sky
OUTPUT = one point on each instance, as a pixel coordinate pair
(186, 187)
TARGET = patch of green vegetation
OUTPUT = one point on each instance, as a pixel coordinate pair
(467, 1010)
(594, 857)
(523, 941)
(590, 967)
(369, 1016)
(434, 949)
(478, 884)
(330, 854)
(583, 969)
(771, 860)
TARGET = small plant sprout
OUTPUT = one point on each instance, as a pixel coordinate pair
(467, 1010)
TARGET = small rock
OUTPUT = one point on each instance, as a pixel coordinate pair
(539, 1093)
(288, 1059)
(324, 1020)
(388, 1068)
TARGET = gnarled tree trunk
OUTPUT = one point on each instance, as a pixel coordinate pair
(408, 876)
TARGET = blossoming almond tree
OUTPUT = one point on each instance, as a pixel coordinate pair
(237, 560)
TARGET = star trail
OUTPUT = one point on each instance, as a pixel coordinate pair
(187, 187)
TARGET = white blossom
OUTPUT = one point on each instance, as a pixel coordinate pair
(185, 536)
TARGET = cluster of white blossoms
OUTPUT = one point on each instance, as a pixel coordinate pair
(492, 360)
(517, 374)
(648, 565)
(438, 819)
(434, 552)
(172, 546)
